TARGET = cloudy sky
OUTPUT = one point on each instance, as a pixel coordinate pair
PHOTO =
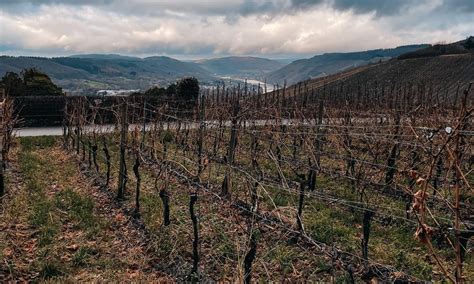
(193, 29)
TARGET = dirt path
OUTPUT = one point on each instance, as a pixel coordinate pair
(57, 225)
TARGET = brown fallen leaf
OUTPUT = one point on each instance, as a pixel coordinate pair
(7, 252)
(72, 247)
(133, 274)
(423, 233)
(420, 180)
(120, 218)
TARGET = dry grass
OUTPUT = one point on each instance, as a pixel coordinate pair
(58, 226)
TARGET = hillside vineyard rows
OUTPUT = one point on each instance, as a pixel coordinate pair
(338, 181)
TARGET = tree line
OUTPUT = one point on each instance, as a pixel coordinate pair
(185, 89)
(32, 82)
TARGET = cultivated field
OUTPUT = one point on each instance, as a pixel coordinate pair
(348, 180)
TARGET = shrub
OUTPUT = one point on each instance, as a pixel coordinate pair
(187, 89)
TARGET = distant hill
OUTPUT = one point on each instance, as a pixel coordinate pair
(133, 67)
(443, 77)
(85, 74)
(444, 69)
(242, 67)
(331, 63)
(54, 69)
(104, 56)
(460, 47)
(88, 73)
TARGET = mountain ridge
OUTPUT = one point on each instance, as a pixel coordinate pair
(87, 73)
(334, 62)
(240, 66)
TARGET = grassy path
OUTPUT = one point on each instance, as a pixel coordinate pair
(55, 225)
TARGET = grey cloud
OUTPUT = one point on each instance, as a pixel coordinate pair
(42, 2)
(237, 8)
(227, 26)
(249, 7)
(230, 8)
(28, 6)
(463, 6)
(302, 4)
(380, 7)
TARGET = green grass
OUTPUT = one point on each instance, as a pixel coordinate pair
(51, 269)
(48, 211)
(44, 218)
(41, 213)
(151, 210)
(41, 142)
(81, 256)
(323, 227)
(80, 210)
(285, 256)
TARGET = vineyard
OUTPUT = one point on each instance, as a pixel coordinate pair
(352, 177)
(336, 183)
(243, 141)
(439, 77)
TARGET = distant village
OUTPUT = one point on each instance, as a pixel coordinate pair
(110, 93)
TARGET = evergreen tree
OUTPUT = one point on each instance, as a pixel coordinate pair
(187, 89)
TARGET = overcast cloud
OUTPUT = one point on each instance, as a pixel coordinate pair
(189, 28)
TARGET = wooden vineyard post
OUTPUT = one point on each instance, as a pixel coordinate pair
(136, 167)
(165, 199)
(252, 252)
(438, 175)
(392, 159)
(311, 177)
(318, 146)
(457, 218)
(350, 277)
(107, 160)
(83, 150)
(365, 233)
(122, 181)
(299, 215)
(411, 182)
(65, 127)
(318, 134)
(227, 184)
(94, 156)
(202, 125)
(250, 257)
(78, 132)
(70, 131)
(257, 171)
(142, 143)
(89, 152)
(194, 271)
(347, 142)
